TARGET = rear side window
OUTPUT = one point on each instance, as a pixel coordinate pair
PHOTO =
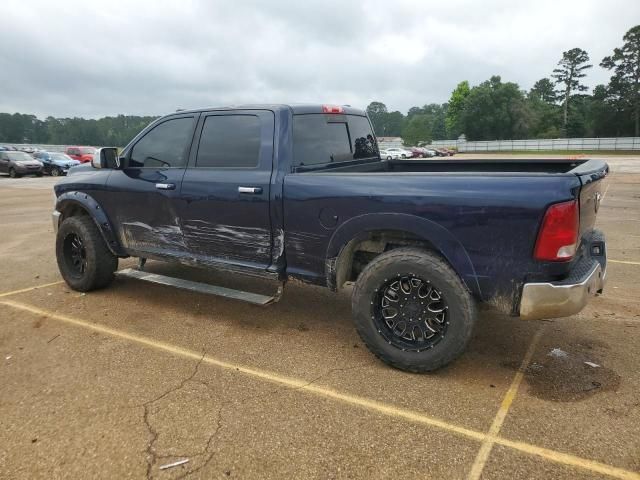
(363, 143)
(164, 146)
(323, 139)
(229, 141)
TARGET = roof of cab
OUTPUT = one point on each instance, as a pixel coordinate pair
(295, 108)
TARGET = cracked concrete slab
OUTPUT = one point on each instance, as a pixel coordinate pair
(81, 404)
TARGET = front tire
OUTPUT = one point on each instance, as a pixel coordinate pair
(412, 310)
(83, 258)
(55, 172)
(13, 173)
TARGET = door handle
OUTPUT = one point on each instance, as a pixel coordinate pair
(166, 186)
(250, 190)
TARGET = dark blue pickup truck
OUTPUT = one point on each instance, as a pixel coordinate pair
(300, 192)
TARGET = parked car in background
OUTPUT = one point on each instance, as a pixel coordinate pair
(82, 154)
(417, 152)
(55, 164)
(401, 151)
(387, 155)
(17, 164)
(444, 152)
(430, 152)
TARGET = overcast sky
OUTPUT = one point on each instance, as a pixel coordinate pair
(103, 57)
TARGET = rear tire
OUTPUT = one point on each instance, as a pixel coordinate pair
(84, 260)
(13, 173)
(434, 312)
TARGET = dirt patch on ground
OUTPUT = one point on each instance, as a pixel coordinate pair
(564, 376)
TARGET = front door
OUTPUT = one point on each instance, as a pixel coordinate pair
(225, 190)
(144, 194)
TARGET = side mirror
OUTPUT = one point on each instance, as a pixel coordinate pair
(106, 158)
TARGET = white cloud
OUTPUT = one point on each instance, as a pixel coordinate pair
(73, 57)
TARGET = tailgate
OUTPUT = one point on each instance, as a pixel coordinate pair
(591, 174)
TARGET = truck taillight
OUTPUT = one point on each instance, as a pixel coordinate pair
(332, 109)
(558, 236)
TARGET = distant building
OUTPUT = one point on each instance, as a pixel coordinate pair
(389, 142)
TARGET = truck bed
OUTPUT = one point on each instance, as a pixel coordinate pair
(481, 166)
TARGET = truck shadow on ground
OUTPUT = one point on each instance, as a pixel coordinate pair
(314, 315)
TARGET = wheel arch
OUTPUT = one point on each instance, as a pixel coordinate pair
(71, 204)
(379, 232)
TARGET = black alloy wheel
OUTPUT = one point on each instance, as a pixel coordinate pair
(410, 313)
(75, 254)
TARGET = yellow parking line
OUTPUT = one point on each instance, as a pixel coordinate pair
(28, 289)
(372, 405)
(626, 262)
(569, 460)
(487, 444)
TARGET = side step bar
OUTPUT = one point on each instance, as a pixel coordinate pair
(254, 298)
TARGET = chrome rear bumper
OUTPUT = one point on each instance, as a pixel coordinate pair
(568, 297)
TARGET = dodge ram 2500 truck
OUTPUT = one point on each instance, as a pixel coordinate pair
(284, 191)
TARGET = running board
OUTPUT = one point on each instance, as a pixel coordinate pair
(254, 298)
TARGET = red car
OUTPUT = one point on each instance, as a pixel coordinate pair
(82, 154)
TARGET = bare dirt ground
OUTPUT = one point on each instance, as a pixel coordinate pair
(120, 382)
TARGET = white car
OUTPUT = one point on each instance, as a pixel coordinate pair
(387, 155)
(400, 151)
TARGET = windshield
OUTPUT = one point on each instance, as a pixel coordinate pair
(19, 156)
(87, 150)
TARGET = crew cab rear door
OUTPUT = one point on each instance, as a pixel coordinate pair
(225, 190)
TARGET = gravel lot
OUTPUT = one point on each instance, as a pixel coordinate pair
(120, 382)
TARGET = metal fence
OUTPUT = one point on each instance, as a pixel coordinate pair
(617, 143)
(47, 148)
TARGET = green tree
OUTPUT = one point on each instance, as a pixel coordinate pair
(625, 83)
(418, 130)
(495, 110)
(571, 69)
(456, 109)
(543, 90)
(394, 124)
(378, 114)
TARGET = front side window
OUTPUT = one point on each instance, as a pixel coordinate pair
(229, 141)
(164, 146)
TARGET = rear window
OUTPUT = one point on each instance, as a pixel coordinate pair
(320, 139)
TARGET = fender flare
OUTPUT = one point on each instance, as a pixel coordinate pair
(87, 203)
(444, 242)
